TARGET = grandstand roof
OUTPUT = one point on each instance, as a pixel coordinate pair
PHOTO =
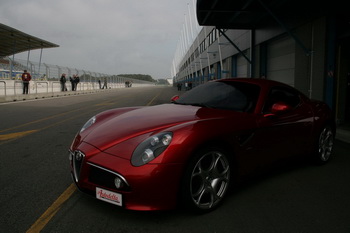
(13, 41)
(254, 14)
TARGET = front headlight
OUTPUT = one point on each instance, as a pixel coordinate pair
(90, 122)
(151, 148)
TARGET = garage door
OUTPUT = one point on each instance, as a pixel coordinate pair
(281, 60)
(242, 67)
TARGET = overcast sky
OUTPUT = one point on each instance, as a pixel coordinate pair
(105, 36)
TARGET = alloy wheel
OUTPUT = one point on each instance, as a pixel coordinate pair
(209, 180)
(325, 144)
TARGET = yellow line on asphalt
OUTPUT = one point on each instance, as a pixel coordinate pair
(10, 136)
(16, 135)
(149, 103)
(52, 210)
(44, 119)
(59, 115)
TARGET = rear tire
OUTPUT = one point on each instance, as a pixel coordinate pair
(206, 180)
(324, 148)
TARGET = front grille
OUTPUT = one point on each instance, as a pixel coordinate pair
(103, 177)
(77, 162)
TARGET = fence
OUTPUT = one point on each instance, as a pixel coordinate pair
(15, 87)
(45, 78)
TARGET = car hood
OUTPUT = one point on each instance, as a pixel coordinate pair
(144, 120)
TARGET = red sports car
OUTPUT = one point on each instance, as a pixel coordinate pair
(191, 150)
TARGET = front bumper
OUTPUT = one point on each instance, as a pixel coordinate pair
(148, 187)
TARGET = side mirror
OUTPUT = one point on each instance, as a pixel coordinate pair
(280, 107)
(174, 98)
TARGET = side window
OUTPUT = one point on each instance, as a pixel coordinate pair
(282, 94)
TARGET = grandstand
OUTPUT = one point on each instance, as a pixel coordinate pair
(5, 69)
(14, 41)
(45, 77)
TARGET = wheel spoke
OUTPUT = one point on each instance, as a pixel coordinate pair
(206, 197)
(209, 180)
(325, 144)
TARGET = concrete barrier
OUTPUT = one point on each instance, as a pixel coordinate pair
(32, 96)
(11, 90)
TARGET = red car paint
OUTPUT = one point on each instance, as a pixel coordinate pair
(254, 138)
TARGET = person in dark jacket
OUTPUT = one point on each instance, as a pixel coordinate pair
(63, 81)
(26, 77)
(71, 82)
(76, 81)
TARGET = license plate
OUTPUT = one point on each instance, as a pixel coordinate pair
(108, 196)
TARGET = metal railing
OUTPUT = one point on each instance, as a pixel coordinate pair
(38, 82)
(4, 86)
(48, 75)
(15, 87)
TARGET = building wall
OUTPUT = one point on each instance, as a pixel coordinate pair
(310, 70)
(276, 55)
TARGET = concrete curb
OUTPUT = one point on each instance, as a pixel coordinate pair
(32, 96)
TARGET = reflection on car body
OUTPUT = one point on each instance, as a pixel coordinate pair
(190, 151)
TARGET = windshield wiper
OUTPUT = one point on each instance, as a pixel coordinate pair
(194, 104)
(198, 105)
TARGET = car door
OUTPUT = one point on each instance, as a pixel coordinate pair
(285, 133)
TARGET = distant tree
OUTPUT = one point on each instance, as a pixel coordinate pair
(162, 82)
(143, 77)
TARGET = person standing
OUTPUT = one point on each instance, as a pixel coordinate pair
(26, 77)
(63, 81)
(179, 86)
(104, 83)
(76, 81)
(71, 82)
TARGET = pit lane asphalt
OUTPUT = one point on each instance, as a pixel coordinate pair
(34, 173)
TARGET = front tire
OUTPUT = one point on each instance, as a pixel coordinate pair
(206, 180)
(325, 145)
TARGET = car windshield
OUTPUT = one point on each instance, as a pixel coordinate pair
(237, 96)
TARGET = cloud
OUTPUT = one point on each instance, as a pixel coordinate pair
(106, 36)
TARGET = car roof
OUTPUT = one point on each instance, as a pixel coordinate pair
(257, 81)
(265, 86)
